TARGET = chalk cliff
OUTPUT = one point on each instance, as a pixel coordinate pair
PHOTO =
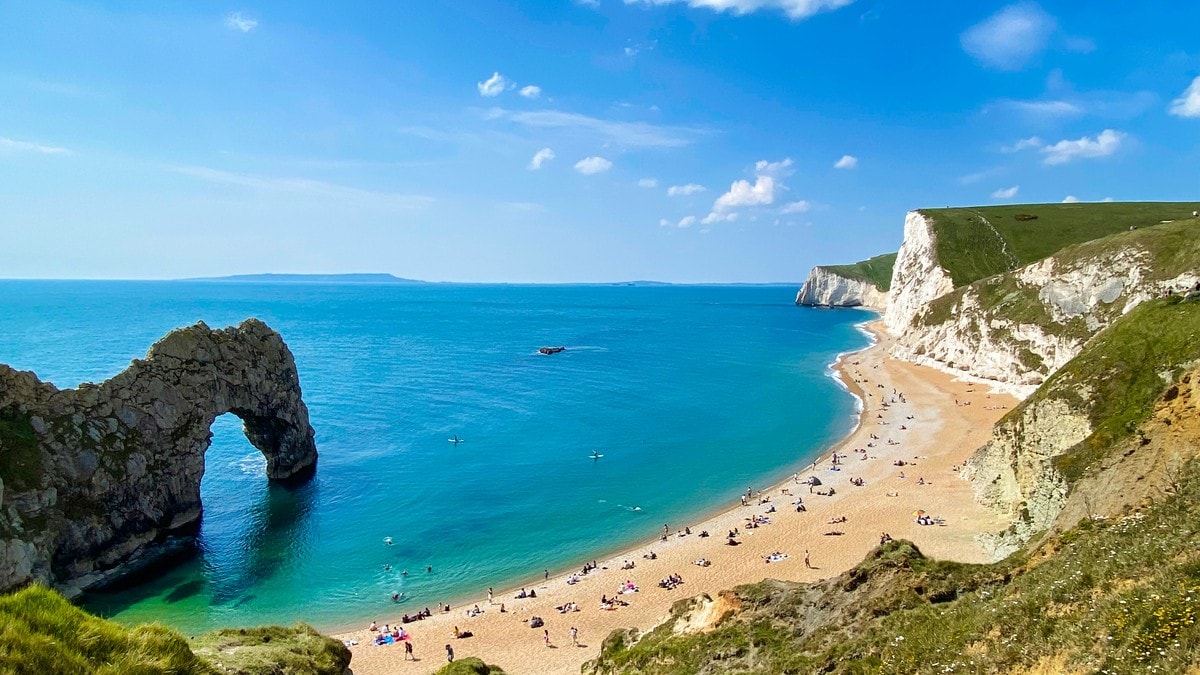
(1014, 330)
(93, 479)
(826, 288)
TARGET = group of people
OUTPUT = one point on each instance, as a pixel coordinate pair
(409, 618)
(670, 582)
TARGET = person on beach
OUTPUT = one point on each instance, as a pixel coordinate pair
(546, 636)
(807, 560)
(449, 654)
(408, 651)
(574, 636)
(490, 596)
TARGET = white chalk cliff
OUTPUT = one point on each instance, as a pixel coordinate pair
(826, 288)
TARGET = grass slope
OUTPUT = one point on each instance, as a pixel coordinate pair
(977, 242)
(877, 270)
(40, 633)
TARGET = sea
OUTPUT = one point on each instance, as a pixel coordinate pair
(691, 394)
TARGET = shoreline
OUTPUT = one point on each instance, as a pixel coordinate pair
(503, 639)
(823, 453)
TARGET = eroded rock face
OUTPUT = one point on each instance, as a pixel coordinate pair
(824, 288)
(91, 479)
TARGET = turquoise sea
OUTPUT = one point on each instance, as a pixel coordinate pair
(691, 394)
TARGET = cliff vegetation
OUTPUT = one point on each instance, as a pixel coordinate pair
(877, 270)
(40, 632)
(978, 242)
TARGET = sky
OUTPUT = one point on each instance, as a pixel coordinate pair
(574, 141)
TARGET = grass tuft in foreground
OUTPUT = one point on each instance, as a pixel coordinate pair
(42, 633)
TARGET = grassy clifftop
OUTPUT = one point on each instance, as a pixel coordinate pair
(877, 270)
(40, 632)
(978, 242)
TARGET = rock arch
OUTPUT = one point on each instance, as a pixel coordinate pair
(93, 479)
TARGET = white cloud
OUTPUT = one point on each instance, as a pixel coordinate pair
(1006, 193)
(7, 144)
(494, 85)
(846, 162)
(539, 158)
(590, 165)
(794, 9)
(625, 134)
(531, 91)
(1083, 148)
(1024, 143)
(685, 190)
(715, 217)
(301, 186)
(1070, 199)
(663, 222)
(774, 169)
(1011, 38)
(240, 22)
(1046, 108)
(524, 206)
(687, 221)
(1188, 104)
(742, 193)
(1107, 199)
(796, 207)
(648, 183)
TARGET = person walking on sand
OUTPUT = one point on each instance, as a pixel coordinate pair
(546, 636)
(449, 654)
(408, 652)
(807, 560)
(546, 575)
(490, 597)
(574, 636)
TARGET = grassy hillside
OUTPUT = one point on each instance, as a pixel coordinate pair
(877, 270)
(40, 632)
(1118, 596)
(1126, 369)
(977, 242)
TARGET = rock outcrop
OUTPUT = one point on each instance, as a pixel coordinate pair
(826, 288)
(93, 479)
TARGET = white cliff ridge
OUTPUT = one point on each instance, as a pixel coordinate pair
(826, 288)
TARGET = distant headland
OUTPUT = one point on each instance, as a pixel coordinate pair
(354, 278)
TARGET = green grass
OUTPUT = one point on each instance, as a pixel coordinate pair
(877, 270)
(40, 633)
(969, 250)
(1124, 368)
(469, 666)
(299, 650)
(20, 459)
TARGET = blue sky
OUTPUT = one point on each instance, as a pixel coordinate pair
(679, 140)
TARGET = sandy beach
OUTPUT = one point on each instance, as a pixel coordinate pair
(911, 414)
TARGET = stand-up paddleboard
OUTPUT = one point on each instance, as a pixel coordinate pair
(456, 440)
(595, 455)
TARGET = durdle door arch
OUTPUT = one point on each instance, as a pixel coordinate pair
(92, 479)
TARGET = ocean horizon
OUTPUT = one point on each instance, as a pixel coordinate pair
(690, 392)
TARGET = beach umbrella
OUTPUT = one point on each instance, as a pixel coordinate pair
(918, 513)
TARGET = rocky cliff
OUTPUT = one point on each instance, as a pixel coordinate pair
(93, 479)
(825, 288)
(1014, 329)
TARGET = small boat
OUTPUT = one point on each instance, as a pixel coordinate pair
(551, 350)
